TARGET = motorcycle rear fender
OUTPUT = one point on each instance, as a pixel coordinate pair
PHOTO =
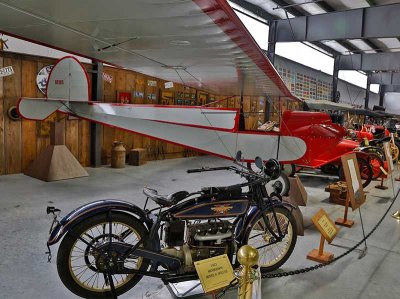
(243, 227)
(93, 208)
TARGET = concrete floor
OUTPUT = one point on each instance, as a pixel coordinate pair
(24, 227)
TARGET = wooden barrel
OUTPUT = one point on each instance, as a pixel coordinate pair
(118, 155)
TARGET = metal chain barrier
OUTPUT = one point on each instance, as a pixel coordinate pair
(312, 268)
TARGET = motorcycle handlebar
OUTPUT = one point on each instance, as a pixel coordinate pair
(208, 169)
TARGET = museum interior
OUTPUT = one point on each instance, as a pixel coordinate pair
(200, 149)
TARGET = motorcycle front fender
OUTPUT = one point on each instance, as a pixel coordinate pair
(93, 208)
(242, 228)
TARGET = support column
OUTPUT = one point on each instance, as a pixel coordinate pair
(271, 42)
(382, 91)
(367, 90)
(335, 79)
(96, 130)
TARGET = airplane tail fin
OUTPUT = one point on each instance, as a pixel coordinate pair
(68, 82)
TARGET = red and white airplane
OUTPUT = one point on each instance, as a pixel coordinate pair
(200, 43)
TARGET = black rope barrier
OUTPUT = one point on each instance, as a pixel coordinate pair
(319, 266)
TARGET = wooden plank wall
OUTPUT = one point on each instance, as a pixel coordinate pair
(21, 141)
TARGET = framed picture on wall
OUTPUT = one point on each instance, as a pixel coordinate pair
(124, 97)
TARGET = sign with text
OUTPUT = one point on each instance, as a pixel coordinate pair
(352, 175)
(6, 71)
(169, 84)
(325, 225)
(214, 273)
(107, 77)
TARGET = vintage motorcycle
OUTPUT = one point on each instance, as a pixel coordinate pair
(109, 245)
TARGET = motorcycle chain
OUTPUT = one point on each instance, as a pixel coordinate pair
(312, 268)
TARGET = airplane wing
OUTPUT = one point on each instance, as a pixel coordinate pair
(199, 43)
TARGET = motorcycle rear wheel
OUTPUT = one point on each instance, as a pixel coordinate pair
(271, 257)
(77, 263)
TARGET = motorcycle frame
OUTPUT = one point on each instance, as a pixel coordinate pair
(259, 202)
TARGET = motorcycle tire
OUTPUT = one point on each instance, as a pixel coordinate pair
(365, 171)
(287, 244)
(65, 257)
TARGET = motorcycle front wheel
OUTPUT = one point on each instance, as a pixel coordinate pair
(82, 256)
(273, 254)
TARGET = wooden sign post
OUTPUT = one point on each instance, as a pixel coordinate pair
(328, 232)
(355, 192)
(389, 163)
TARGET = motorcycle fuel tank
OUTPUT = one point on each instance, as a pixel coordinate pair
(214, 209)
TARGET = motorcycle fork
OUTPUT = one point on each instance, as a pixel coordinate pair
(265, 208)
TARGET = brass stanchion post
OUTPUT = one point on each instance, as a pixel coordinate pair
(247, 257)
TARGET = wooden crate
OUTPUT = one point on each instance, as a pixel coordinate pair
(338, 192)
(137, 156)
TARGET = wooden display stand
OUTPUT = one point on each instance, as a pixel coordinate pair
(297, 192)
(381, 186)
(56, 162)
(344, 221)
(318, 255)
(355, 192)
(328, 232)
(137, 156)
(389, 164)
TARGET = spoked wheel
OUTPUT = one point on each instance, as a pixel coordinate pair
(86, 254)
(394, 150)
(376, 163)
(366, 172)
(273, 254)
(374, 150)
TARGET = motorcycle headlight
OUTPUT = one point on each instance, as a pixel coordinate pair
(272, 169)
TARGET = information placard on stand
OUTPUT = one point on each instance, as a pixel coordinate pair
(355, 191)
(389, 163)
(328, 232)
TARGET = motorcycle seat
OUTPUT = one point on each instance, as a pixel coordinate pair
(165, 200)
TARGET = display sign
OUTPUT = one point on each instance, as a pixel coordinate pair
(167, 98)
(152, 83)
(389, 158)
(353, 180)
(6, 71)
(42, 77)
(214, 273)
(124, 97)
(138, 94)
(325, 225)
(107, 77)
(169, 84)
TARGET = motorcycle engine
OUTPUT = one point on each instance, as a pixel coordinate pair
(202, 240)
